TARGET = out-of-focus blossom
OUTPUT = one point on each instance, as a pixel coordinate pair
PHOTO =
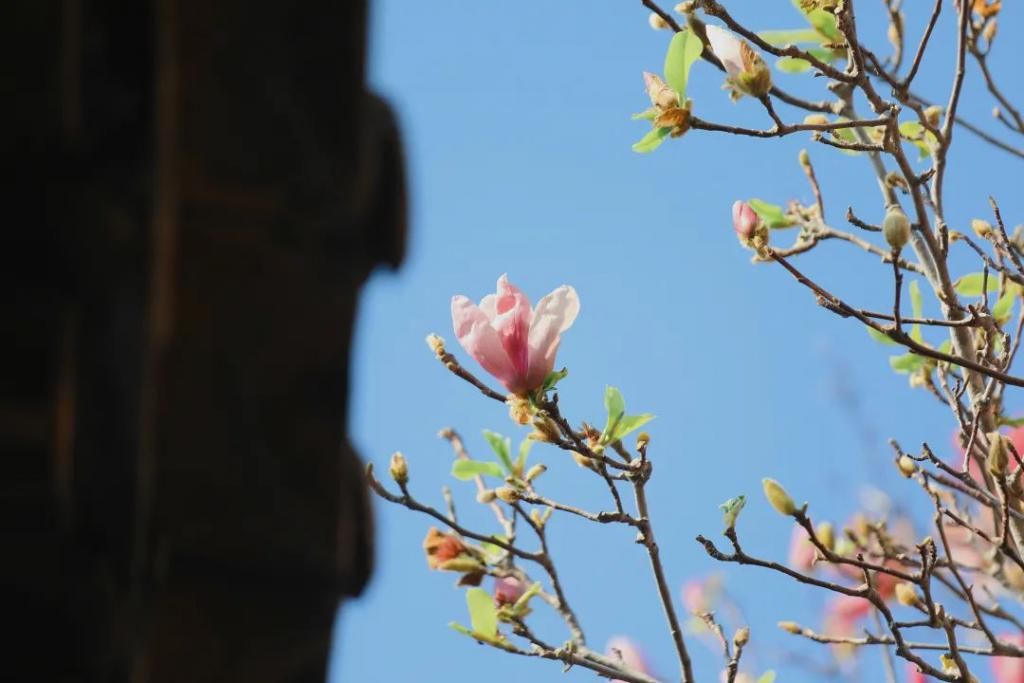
(509, 339)
(507, 590)
(629, 653)
(914, 675)
(802, 552)
(697, 596)
(842, 615)
(1009, 669)
(441, 547)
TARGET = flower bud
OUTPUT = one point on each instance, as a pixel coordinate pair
(741, 637)
(441, 547)
(756, 77)
(778, 497)
(791, 627)
(990, 30)
(486, 496)
(906, 594)
(399, 468)
(436, 344)
(663, 96)
(906, 466)
(933, 115)
(656, 22)
(686, 7)
(582, 460)
(896, 228)
(997, 460)
(826, 534)
(816, 120)
(642, 440)
(744, 220)
(544, 429)
(536, 471)
(506, 494)
(507, 590)
(981, 228)
(804, 158)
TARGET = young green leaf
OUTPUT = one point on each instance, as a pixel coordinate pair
(553, 378)
(773, 215)
(648, 114)
(767, 677)
(464, 470)
(970, 285)
(683, 50)
(502, 447)
(792, 65)
(731, 510)
(483, 615)
(879, 337)
(630, 423)
(524, 451)
(917, 306)
(615, 406)
(907, 363)
(651, 141)
(792, 36)
(1003, 308)
(823, 22)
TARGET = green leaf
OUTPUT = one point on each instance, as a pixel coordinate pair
(684, 49)
(1003, 308)
(731, 510)
(879, 337)
(919, 136)
(823, 22)
(907, 363)
(631, 423)
(456, 626)
(767, 677)
(1011, 421)
(792, 36)
(946, 347)
(792, 65)
(483, 615)
(651, 141)
(917, 306)
(970, 285)
(524, 452)
(553, 378)
(615, 406)
(502, 447)
(467, 469)
(773, 215)
(648, 114)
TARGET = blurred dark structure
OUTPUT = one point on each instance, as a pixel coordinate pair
(196, 190)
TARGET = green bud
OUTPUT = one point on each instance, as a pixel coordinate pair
(896, 228)
(791, 627)
(906, 466)
(507, 494)
(997, 460)
(399, 468)
(536, 471)
(778, 497)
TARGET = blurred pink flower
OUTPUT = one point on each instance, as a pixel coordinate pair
(801, 552)
(508, 589)
(629, 653)
(914, 675)
(695, 597)
(1009, 669)
(744, 220)
(512, 341)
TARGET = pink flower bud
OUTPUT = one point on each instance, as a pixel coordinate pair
(744, 220)
(507, 590)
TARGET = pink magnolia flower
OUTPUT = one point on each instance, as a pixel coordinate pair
(629, 653)
(744, 220)
(512, 341)
(507, 590)
(695, 597)
(1009, 669)
(801, 550)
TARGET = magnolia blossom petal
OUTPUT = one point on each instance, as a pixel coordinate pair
(801, 551)
(1009, 669)
(744, 220)
(482, 341)
(728, 49)
(555, 313)
(512, 317)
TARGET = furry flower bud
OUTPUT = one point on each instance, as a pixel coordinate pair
(399, 468)
(896, 228)
(998, 459)
(778, 497)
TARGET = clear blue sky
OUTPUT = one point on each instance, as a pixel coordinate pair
(516, 117)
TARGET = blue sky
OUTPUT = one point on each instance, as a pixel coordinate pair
(516, 118)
